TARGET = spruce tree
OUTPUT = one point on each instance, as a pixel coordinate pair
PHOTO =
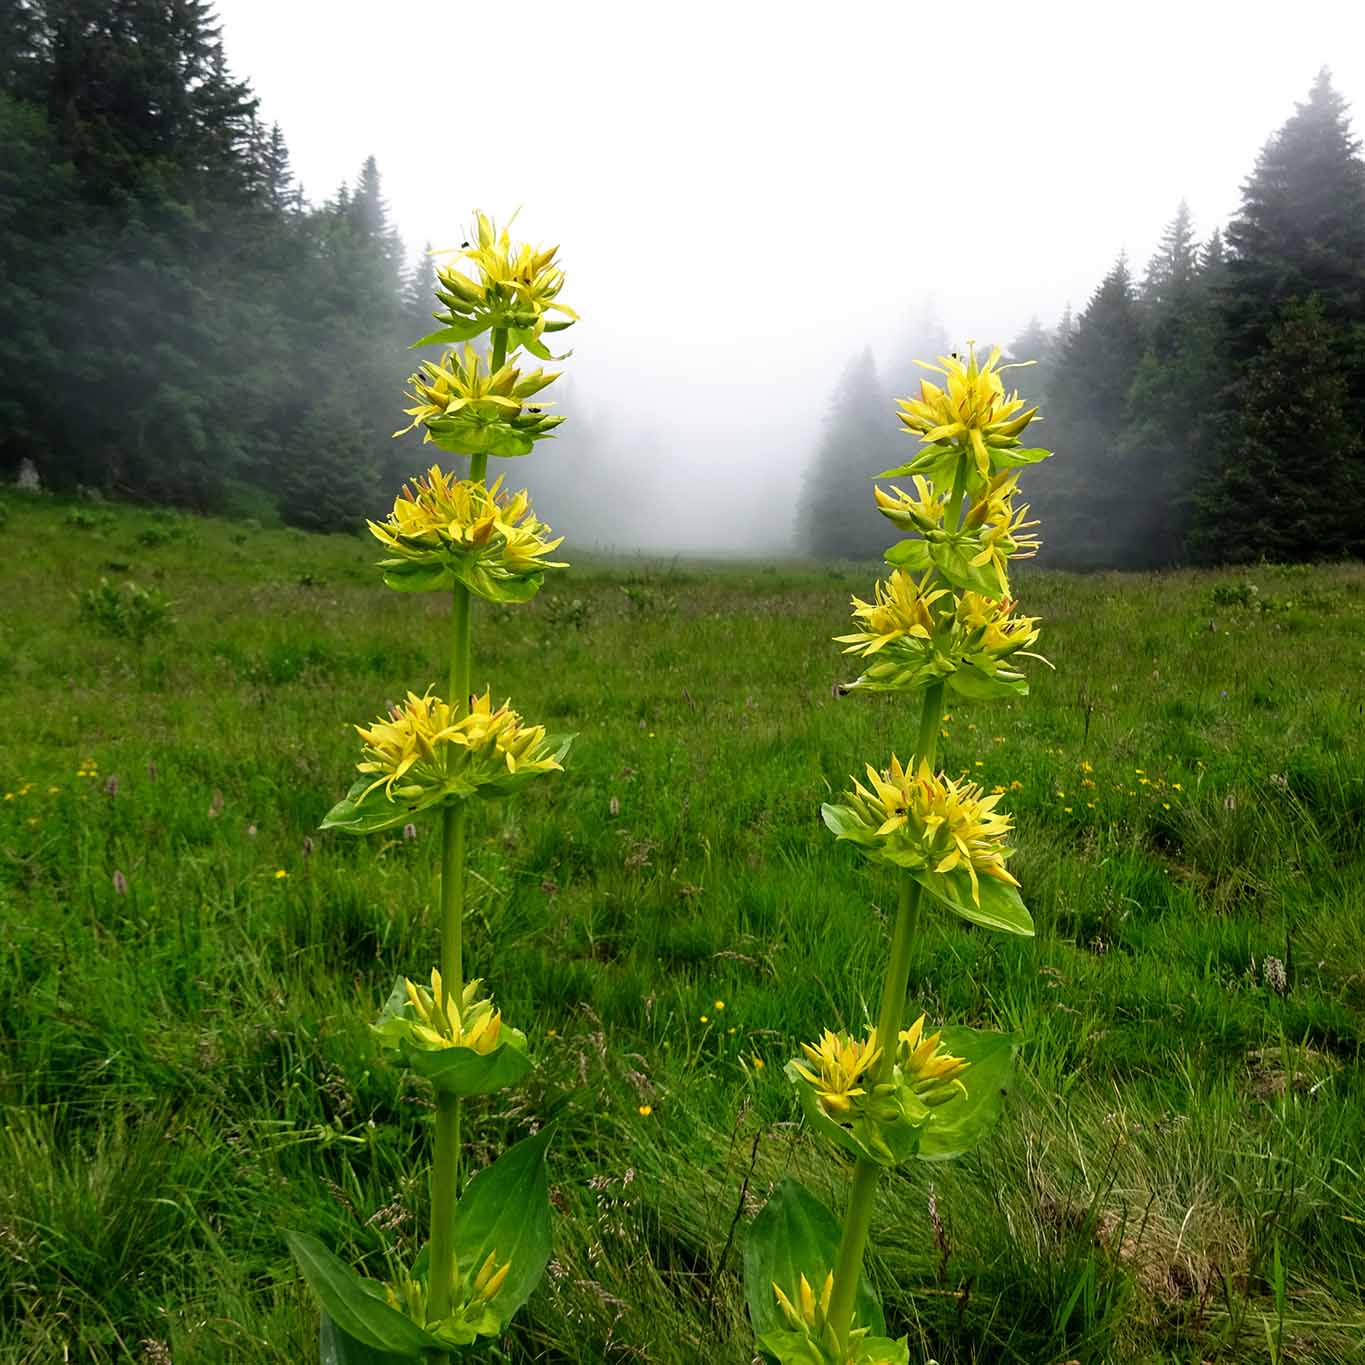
(837, 518)
(1301, 227)
(1095, 366)
(1291, 484)
(1292, 291)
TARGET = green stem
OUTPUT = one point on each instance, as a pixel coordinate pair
(445, 1162)
(478, 464)
(848, 1265)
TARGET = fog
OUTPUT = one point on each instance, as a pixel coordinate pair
(747, 195)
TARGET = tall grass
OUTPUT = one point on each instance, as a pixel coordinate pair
(186, 1069)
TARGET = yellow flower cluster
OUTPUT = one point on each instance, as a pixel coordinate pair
(445, 529)
(927, 1067)
(471, 1021)
(1002, 530)
(988, 624)
(912, 644)
(517, 286)
(469, 409)
(470, 1303)
(899, 611)
(841, 1062)
(926, 822)
(972, 406)
(422, 748)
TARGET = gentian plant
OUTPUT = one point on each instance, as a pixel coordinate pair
(434, 757)
(944, 620)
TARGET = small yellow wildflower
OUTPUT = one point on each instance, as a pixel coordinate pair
(705, 1018)
(645, 1110)
(1086, 766)
(758, 1063)
(719, 1004)
(280, 872)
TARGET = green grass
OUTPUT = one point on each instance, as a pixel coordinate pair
(185, 1066)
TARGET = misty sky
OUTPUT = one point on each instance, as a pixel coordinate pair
(746, 192)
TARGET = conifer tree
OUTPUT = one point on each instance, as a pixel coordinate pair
(1291, 484)
(1095, 367)
(837, 518)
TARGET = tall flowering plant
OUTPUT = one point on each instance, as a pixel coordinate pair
(944, 620)
(451, 531)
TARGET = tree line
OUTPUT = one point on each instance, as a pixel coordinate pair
(177, 324)
(1209, 411)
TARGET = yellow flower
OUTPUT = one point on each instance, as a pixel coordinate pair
(841, 1061)
(972, 408)
(442, 1022)
(898, 611)
(926, 822)
(988, 625)
(1001, 531)
(516, 288)
(422, 755)
(445, 530)
(280, 872)
(927, 1067)
(469, 411)
(808, 1315)
(471, 1315)
(922, 513)
(719, 1004)
(645, 1110)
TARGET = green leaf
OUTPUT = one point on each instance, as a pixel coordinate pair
(844, 823)
(499, 588)
(912, 554)
(336, 1348)
(882, 1351)
(1000, 905)
(462, 1071)
(957, 1127)
(461, 435)
(937, 463)
(355, 816)
(351, 1304)
(1007, 458)
(972, 681)
(791, 1348)
(954, 561)
(506, 1211)
(456, 332)
(794, 1235)
(403, 575)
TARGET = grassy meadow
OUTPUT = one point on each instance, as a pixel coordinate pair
(188, 968)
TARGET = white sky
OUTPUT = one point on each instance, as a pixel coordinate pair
(744, 192)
